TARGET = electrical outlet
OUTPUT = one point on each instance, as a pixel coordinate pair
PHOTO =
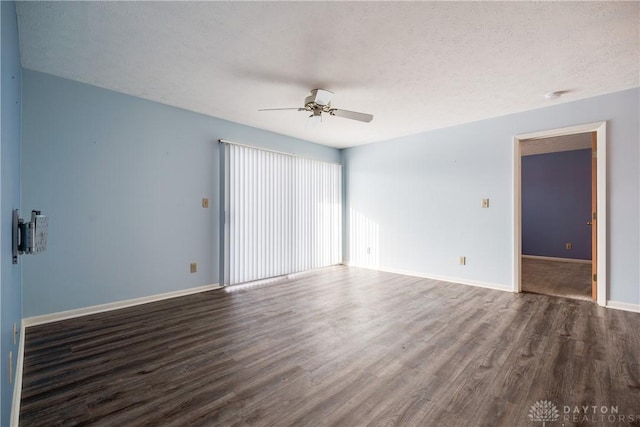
(15, 334)
(462, 260)
(194, 267)
(568, 246)
(205, 202)
(485, 203)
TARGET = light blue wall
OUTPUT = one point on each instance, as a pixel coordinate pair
(423, 194)
(120, 176)
(121, 180)
(11, 293)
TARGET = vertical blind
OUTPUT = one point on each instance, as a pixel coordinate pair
(283, 214)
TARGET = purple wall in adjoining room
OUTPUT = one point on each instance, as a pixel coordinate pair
(556, 204)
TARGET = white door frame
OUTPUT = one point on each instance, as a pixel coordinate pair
(601, 193)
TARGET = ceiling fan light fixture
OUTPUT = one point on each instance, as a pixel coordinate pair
(314, 120)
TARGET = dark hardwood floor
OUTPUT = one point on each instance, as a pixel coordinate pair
(342, 347)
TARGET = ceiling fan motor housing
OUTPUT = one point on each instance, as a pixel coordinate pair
(319, 98)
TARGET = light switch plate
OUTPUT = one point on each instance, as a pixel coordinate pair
(485, 203)
(205, 202)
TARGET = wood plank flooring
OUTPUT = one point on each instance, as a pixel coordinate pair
(338, 347)
(562, 279)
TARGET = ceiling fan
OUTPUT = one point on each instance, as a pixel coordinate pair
(320, 102)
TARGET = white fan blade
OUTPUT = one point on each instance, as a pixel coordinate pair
(280, 109)
(322, 96)
(361, 117)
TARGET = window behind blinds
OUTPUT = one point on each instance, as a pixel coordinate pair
(283, 214)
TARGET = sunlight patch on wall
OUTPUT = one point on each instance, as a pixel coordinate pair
(364, 240)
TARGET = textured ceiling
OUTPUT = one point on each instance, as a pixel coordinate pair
(578, 141)
(415, 66)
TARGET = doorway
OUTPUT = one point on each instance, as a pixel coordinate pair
(591, 283)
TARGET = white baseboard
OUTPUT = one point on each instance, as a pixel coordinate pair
(623, 306)
(456, 280)
(84, 311)
(550, 258)
(17, 386)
